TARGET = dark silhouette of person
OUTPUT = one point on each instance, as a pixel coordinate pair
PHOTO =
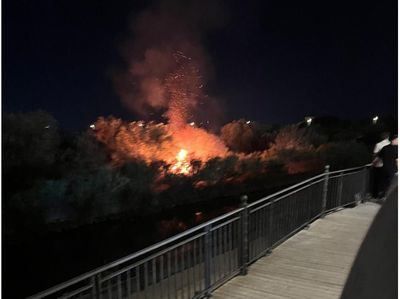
(377, 182)
(388, 154)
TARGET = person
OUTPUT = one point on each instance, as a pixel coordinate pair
(378, 183)
(388, 154)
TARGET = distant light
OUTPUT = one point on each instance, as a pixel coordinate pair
(192, 123)
(47, 127)
(308, 120)
(140, 124)
(198, 213)
(92, 126)
(375, 119)
(248, 122)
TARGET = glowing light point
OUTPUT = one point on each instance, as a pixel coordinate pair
(375, 119)
(92, 126)
(308, 120)
(192, 123)
(248, 122)
(181, 155)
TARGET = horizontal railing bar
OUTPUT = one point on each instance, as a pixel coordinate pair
(57, 288)
(344, 174)
(260, 207)
(151, 257)
(350, 169)
(80, 290)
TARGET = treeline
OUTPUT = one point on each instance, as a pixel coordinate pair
(52, 178)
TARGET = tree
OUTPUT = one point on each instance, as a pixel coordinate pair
(30, 143)
(245, 137)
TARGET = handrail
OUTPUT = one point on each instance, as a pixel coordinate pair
(204, 226)
(350, 169)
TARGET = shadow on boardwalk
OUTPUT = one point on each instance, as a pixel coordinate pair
(374, 273)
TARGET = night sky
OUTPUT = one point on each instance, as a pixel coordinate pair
(273, 61)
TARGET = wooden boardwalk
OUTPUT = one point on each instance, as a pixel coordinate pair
(314, 263)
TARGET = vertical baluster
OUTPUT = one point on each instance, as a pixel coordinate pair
(224, 250)
(109, 291)
(215, 262)
(235, 243)
(137, 278)
(128, 283)
(176, 272)
(154, 277)
(270, 223)
(229, 252)
(208, 246)
(194, 265)
(182, 271)
(189, 287)
(263, 228)
(146, 273)
(220, 257)
(253, 218)
(119, 288)
(161, 276)
(201, 265)
(169, 274)
(245, 236)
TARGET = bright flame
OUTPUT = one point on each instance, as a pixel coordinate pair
(181, 166)
(181, 156)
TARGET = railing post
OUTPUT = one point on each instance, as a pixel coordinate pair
(207, 260)
(245, 236)
(325, 190)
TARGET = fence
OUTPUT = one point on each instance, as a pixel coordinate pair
(197, 261)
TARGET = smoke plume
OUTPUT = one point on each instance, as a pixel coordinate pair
(167, 64)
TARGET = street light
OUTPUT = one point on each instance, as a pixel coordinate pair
(308, 120)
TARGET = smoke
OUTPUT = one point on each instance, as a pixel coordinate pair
(167, 66)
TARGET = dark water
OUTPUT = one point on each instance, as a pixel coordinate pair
(39, 262)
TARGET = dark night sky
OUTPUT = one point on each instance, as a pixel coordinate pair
(274, 61)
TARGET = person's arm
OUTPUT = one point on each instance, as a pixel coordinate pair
(376, 149)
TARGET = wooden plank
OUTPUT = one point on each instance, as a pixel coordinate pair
(314, 263)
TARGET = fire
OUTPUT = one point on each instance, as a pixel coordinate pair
(181, 156)
(158, 142)
(182, 166)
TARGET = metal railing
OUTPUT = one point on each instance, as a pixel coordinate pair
(194, 263)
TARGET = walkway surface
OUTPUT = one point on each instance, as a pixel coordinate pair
(314, 263)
